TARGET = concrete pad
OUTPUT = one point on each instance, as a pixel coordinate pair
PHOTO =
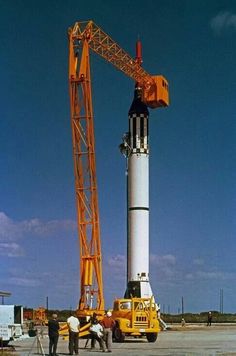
(214, 340)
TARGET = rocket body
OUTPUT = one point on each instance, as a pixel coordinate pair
(138, 201)
(138, 217)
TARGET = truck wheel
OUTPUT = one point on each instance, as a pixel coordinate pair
(118, 335)
(151, 337)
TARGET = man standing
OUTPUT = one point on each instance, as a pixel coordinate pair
(53, 333)
(73, 326)
(108, 324)
(96, 331)
(209, 319)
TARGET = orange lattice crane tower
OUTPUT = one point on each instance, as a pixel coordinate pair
(84, 36)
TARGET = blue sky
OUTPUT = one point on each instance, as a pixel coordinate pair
(192, 161)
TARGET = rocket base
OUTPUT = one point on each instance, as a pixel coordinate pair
(138, 289)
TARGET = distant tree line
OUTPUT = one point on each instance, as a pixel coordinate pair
(168, 318)
(199, 318)
(63, 315)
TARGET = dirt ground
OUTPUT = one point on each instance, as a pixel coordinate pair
(188, 340)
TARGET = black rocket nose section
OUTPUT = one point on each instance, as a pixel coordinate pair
(137, 106)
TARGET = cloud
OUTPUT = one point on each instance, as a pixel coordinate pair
(114, 271)
(50, 281)
(215, 275)
(41, 228)
(165, 265)
(223, 21)
(7, 228)
(11, 249)
(170, 271)
(189, 276)
(162, 261)
(24, 282)
(205, 275)
(198, 262)
(47, 279)
(11, 230)
(117, 262)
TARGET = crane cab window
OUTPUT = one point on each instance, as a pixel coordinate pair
(125, 305)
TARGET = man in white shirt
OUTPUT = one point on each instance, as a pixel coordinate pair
(96, 331)
(73, 326)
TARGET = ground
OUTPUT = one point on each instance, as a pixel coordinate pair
(188, 340)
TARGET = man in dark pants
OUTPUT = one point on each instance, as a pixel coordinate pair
(53, 333)
(96, 331)
(209, 319)
(73, 326)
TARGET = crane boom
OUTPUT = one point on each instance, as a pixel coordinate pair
(155, 88)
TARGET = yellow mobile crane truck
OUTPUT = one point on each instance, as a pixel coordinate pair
(133, 316)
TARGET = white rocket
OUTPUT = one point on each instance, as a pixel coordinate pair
(136, 149)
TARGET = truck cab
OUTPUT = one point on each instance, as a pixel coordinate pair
(135, 317)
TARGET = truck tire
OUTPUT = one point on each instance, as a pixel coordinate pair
(151, 337)
(118, 335)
